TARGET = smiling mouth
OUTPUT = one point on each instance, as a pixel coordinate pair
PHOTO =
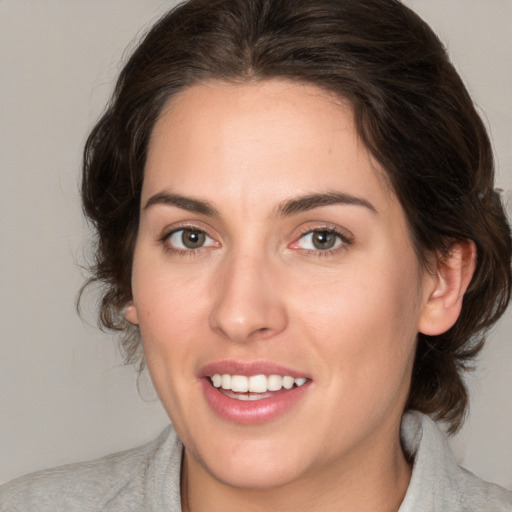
(254, 387)
(251, 396)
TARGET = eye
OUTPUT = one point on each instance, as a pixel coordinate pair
(320, 240)
(188, 239)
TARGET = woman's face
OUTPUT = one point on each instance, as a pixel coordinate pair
(270, 245)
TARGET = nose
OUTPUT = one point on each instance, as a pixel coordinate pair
(248, 302)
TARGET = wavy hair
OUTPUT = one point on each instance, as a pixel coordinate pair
(412, 112)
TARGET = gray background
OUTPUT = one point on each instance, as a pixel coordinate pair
(64, 394)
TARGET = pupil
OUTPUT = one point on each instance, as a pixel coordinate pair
(192, 239)
(324, 240)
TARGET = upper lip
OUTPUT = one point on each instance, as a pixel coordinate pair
(249, 368)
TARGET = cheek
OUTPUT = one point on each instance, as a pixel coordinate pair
(363, 320)
(166, 300)
(171, 312)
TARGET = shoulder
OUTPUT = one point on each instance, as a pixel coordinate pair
(477, 494)
(438, 482)
(115, 482)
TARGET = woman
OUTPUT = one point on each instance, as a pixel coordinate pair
(297, 225)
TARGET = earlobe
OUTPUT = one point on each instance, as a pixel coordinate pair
(130, 313)
(448, 285)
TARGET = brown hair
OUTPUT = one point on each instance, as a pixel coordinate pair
(412, 111)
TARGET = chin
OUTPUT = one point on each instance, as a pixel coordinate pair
(257, 473)
(250, 463)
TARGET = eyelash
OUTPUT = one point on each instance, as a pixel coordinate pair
(343, 242)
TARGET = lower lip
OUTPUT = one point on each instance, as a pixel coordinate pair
(254, 411)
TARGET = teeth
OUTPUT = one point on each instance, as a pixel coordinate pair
(217, 380)
(226, 381)
(239, 383)
(288, 382)
(255, 383)
(274, 382)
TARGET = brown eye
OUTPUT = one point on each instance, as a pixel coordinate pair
(189, 239)
(320, 240)
(192, 239)
(324, 240)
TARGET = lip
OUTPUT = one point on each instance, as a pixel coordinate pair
(249, 368)
(257, 411)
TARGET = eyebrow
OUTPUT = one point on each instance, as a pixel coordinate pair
(285, 209)
(185, 203)
(311, 201)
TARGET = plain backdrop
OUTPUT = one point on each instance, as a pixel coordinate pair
(64, 393)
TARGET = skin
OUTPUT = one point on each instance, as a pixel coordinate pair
(258, 290)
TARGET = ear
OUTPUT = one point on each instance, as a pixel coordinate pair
(446, 288)
(130, 313)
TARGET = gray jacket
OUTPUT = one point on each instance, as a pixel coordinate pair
(148, 479)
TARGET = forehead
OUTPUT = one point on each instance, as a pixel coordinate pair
(244, 139)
